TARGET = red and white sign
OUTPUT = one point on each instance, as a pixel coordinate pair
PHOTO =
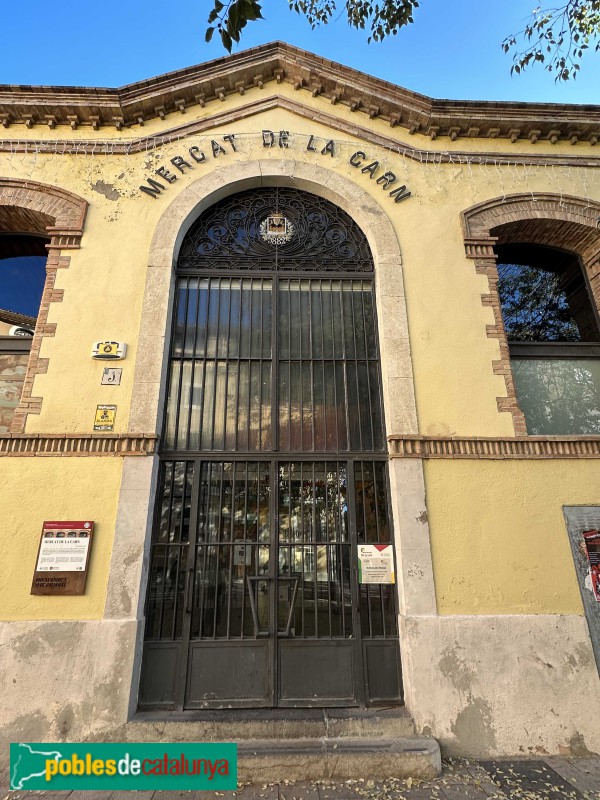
(65, 547)
(376, 563)
(591, 541)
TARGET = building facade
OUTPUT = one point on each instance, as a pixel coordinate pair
(329, 289)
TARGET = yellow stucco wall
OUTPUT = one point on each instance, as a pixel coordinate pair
(498, 536)
(105, 283)
(490, 522)
(36, 489)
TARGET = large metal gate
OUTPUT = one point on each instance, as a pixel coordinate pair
(273, 468)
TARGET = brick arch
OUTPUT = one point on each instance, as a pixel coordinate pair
(38, 208)
(64, 210)
(479, 220)
(564, 221)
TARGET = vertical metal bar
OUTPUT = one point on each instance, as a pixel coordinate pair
(231, 549)
(328, 547)
(338, 546)
(289, 365)
(166, 551)
(274, 355)
(226, 389)
(324, 382)
(245, 484)
(204, 547)
(216, 359)
(184, 281)
(273, 585)
(355, 586)
(219, 548)
(364, 507)
(374, 465)
(260, 363)
(187, 467)
(190, 564)
(311, 356)
(302, 539)
(366, 344)
(195, 361)
(209, 284)
(344, 366)
(239, 361)
(314, 547)
(250, 365)
(360, 432)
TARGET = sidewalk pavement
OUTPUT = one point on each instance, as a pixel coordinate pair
(551, 778)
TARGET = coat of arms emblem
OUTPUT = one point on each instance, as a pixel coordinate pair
(276, 229)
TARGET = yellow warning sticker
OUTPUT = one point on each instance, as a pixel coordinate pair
(105, 418)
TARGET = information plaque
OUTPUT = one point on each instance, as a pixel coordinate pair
(376, 563)
(63, 558)
(591, 541)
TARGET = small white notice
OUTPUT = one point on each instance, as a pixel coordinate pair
(58, 554)
(111, 376)
(376, 563)
(242, 554)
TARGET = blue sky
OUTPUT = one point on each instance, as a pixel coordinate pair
(22, 284)
(452, 51)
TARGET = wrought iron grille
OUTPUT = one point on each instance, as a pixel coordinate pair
(258, 370)
(233, 538)
(315, 235)
(273, 467)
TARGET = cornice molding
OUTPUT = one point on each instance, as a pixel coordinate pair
(477, 447)
(424, 447)
(56, 444)
(179, 132)
(277, 62)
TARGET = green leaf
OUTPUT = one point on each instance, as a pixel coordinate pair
(226, 39)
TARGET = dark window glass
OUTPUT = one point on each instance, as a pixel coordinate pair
(551, 325)
(544, 296)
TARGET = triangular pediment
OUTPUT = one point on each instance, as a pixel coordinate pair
(257, 73)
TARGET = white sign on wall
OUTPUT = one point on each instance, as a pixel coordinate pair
(376, 563)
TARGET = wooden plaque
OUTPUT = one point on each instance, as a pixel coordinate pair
(63, 557)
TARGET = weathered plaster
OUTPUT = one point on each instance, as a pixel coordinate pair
(64, 680)
(503, 685)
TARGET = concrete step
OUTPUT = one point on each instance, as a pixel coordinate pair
(273, 760)
(284, 724)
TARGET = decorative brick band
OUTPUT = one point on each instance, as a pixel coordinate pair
(521, 447)
(249, 71)
(85, 444)
(141, 144)
(38, 208)
(482, 227)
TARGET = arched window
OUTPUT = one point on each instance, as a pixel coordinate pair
(22, 277)
(553, 333)
(273, 468)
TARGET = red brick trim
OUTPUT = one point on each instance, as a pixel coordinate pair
(141, 144)
(61, 215)
(522, 447)
(250, 70)
(60, 444)
(482, 221)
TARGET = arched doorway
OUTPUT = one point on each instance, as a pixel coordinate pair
(273, 468)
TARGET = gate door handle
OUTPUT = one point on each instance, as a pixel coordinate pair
(295, 580)
(189, 590)
(251, 580)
